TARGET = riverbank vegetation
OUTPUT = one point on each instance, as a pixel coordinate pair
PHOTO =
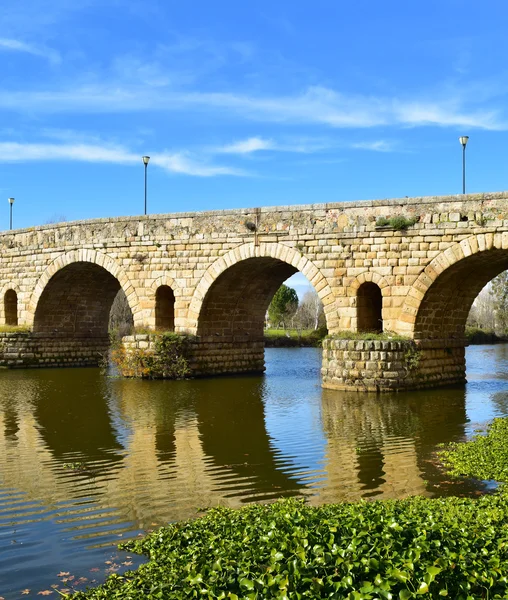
(447, 547)
(289, 338)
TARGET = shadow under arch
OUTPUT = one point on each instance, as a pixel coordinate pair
(227, 312)
(245, 280)
(90, 262)
(438, 303)
(73, 297)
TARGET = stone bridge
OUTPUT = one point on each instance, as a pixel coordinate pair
(213, 274)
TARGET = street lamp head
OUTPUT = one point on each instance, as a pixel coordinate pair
(11, 200)
(146, 159)
(463, 140)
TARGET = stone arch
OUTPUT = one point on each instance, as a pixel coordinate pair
(438, 302)
(5, 318)
(251, 263)
(90, 262)
(370, 306)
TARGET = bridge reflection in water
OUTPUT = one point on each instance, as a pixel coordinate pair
(85, 458)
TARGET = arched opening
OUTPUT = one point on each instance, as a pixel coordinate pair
(11, 307)
(236, 303)
(444, 309)
(231, 321)
(165, 308)
(76, 302)
(121, 321)
(369, 305)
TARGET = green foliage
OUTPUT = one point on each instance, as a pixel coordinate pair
(366, 335)
(484, 457)
(500, 293)
(412, 356)
(283, 305)
(445, 547)
(475, 335)
(15, 329)
(277, 338)
(167, 359)
(398, 222)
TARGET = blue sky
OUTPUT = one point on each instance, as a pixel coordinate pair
(245, 104)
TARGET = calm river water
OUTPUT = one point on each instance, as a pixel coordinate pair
(88, 460)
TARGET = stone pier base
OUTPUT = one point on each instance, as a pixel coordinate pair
(386, 365)
(20, 350)
(206, 356)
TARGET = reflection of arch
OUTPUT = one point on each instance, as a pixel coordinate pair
(254, 273)
(439, 301)
(83, 256)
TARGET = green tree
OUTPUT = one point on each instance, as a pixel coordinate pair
(283, 306)
(500, 294)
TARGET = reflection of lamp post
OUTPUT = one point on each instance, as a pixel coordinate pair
(146, 159)
(463, 140)
(11, 202)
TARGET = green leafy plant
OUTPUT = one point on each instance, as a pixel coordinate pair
(418, 547)
(167, 358)
(398, 222)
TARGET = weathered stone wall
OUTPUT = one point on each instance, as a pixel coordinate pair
(24, 349)
(222, 267)
(382, 365)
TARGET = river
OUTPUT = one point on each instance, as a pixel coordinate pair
(88, 460)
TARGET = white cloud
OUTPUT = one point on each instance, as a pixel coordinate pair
(316, 105)
(175, 163)
(375, 146)
(253, 144)
(42, 51)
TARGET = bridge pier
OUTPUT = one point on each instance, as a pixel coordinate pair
(24, 349)
(391, 365)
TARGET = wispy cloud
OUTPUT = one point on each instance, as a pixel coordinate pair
(316, 105)
(11, 45)
(173, 162)
(252, 144)
(375, 146)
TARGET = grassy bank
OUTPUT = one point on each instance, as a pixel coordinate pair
(292, 338)
(481, 336)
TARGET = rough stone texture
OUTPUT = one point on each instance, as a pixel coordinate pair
(379, 365)
(21, 350)
(222, 274)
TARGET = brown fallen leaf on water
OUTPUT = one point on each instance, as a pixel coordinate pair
(94, 570)
(108, 562)
(25, 592)
(45, 593)
(127, 563)
(63, 574)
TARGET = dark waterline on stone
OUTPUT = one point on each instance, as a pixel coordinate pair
(88, 460)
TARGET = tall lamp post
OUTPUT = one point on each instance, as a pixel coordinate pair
(463, 140)
(146, 160)
(11, 202)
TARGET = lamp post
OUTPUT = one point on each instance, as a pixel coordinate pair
(11, 202)
(463, 140)
(146, 160)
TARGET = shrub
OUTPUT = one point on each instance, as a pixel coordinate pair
(398, 222)
(167, 359)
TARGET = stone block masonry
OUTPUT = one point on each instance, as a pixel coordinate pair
(382, 366)
(213, 274)
(23, 349)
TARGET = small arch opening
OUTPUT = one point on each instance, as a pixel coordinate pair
(165, 308)
(369, 304)
(11, 307)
